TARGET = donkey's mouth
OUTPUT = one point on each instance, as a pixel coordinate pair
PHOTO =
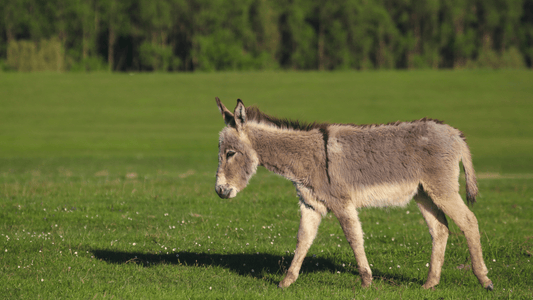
(225, 192)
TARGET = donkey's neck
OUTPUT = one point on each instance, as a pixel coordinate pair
(299, 156)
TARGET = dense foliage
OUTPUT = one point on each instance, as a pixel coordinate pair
(186, 35)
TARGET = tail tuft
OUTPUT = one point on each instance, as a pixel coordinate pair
(470, 176)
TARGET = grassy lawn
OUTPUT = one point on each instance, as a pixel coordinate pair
(107, 187)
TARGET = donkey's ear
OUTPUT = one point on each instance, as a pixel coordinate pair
(240, 114)
(226, 114)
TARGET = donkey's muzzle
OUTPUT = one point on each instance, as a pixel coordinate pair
(224, 192)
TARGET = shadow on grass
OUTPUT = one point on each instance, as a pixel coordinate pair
(260, 266)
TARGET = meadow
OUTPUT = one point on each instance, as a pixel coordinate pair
(107, 187)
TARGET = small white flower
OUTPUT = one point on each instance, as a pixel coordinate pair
(134, 244)
(338, 245)
(407, 212)
(494, 260)
(427, 265)
(210, 288)
(42, 279)
(398, 266)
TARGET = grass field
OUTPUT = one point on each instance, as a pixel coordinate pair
(107, 187)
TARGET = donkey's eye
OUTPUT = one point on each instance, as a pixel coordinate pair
(230, 154)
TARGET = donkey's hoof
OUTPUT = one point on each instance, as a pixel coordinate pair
(428, 286)
(288, 280)
(283, 285)
(489, 286)
(366, 282)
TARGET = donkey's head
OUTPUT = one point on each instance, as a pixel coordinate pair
(237, 160)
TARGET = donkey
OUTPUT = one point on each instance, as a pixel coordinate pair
(342, 167)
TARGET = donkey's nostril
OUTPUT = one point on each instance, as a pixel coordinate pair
(219, 190)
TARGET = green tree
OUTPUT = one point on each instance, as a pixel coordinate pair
(187, 35)
(118, 22)
(224, 38)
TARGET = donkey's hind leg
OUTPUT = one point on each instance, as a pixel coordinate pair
(438, 228)
(454, 207)
(354, 235)
(309, 222)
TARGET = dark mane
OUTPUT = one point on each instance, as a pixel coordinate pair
(253, 113)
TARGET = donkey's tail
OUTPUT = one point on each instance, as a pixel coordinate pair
(470, 175)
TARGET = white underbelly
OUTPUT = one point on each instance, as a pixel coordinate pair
(383, 195)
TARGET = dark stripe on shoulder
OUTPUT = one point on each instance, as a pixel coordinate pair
(325, 136)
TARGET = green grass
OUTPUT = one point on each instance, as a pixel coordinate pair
(107, 187)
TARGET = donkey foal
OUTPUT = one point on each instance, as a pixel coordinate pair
(342, 167)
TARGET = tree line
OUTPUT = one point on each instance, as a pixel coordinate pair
(188, 35)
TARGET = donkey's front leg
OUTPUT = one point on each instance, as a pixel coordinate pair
(306, 234)
(353, 231)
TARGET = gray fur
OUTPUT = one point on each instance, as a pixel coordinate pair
(342, 167)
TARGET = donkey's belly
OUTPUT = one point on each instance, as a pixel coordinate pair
(383, 195)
